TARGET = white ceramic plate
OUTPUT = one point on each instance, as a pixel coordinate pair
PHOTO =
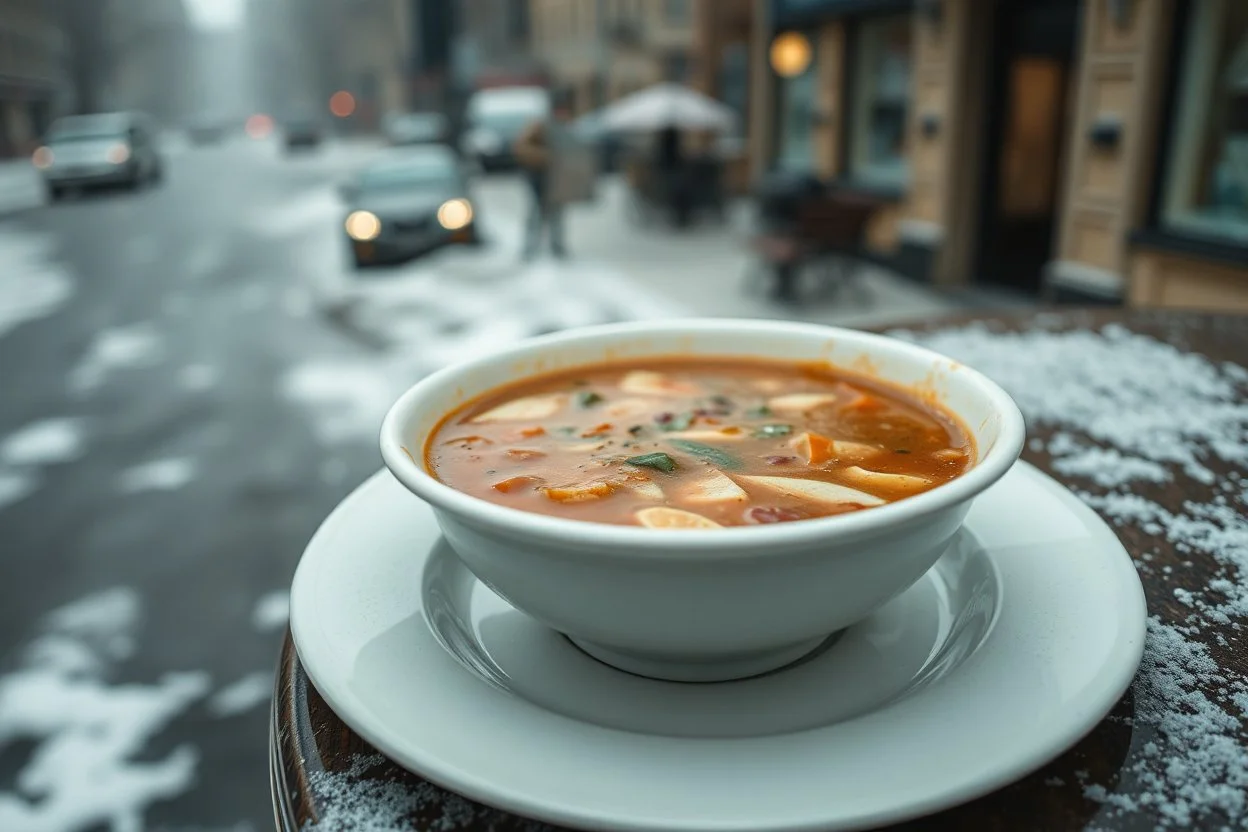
(1010, 649)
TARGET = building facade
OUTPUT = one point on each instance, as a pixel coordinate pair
(603, 49)
(1091, 150)
(34, 73)
(493, 44)
(376, 43)
(361, 47)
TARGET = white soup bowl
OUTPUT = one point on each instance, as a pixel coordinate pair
(715, 604)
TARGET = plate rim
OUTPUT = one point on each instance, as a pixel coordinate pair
(1129, 618)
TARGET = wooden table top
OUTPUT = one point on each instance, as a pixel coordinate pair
(311, 745)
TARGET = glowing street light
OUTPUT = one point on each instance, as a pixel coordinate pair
(259, 126)
(342, 104)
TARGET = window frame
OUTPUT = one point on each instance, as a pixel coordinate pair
(1156, 231)
(849, 95)
(684, 19)
(811, 32)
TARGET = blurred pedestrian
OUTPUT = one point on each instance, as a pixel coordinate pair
(536, 149)
(675, 174)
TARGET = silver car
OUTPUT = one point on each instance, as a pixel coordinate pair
(101, 150)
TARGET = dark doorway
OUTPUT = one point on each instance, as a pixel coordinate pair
(1034, 43)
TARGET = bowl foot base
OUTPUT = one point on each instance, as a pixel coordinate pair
(672, 669)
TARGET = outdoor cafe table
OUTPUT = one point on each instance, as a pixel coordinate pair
(1107, 781)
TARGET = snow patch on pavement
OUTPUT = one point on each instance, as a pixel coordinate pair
(198, 377)
(87, 733)
(23, 452)
(168, 474)
(271, 611)
(344, 398)
(21, 186)
(16, 486)
(429, 319)
(115, 349)
(250, 691)
(31, 285)
(313, 208)
(216, 15)
(112, 614)
(45, 442)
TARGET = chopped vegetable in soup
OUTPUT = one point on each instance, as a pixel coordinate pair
(695, 444)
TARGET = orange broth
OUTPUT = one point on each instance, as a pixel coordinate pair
(697, 443)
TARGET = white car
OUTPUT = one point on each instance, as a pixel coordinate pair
(495, 119)
(101, 150)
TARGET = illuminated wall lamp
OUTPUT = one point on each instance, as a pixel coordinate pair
(790, 54)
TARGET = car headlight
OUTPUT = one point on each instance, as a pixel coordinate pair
(363, 226)
(42, 158)
(118, 154)
(454, 214)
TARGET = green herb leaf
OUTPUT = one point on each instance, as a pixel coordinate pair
(772, 431)
(636, 430)
(711, 454)
(566, 431)
(760, 412)
(659, 461)
(587, 398)
(720, 400)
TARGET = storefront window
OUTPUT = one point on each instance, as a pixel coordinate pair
(734, 81)
(1207, 182)
(797, 120)
(881, 101)
(677, 12)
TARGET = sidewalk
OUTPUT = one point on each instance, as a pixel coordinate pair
(20, 187)
(705, 270)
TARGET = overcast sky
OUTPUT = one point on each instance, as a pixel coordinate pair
(216, 15)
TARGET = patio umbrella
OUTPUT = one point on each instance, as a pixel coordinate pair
(667, 105)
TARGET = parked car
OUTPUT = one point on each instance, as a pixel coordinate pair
(495, 118)
(416, 128)
(99, 150)
(302, 132)
(408, 202)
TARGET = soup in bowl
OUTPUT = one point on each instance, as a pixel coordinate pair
(702, 500)
(697, 443)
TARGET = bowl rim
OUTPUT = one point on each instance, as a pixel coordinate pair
(592, 538)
